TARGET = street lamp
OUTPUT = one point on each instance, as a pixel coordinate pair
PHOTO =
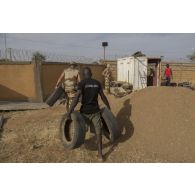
(104, 45)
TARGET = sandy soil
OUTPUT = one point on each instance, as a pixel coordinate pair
(158, 125)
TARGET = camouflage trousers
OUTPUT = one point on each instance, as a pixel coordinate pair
(70, 93)
(107, 84)
(95, 120)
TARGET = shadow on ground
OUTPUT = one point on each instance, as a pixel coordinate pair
(1, 128)
(125, 125)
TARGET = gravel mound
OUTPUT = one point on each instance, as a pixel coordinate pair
(157, 124)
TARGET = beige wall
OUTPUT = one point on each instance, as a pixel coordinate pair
(17, 82)
(20, 81)
(49, 76)
(181, 71)
(50, 73)
(96, 71)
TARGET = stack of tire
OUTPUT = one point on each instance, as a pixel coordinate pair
(72, 131)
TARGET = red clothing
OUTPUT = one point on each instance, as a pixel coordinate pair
(168, 72)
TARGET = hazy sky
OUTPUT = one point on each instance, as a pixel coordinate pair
(171, 46)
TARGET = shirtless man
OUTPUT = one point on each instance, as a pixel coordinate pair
(71, 78)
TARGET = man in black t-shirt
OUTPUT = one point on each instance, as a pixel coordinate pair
(89, 89)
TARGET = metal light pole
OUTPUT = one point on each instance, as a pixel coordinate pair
(104, 53)
(104, 45)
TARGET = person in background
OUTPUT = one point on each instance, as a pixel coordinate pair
(71, 78)
(150, 77)
(89, 89)
(168, 75)
(107, 76)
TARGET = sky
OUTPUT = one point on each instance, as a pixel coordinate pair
(171, 46)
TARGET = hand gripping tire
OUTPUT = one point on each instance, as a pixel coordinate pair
(110, 126)
(72, 131)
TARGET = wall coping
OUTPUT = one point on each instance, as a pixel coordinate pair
(66, 63)
(15, 63)
(177, 63)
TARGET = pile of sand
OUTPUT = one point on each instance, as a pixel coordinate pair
(158, 126)
(163, 122)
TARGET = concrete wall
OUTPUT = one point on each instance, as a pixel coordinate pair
(49, 76)
(17, 82)
(50, 73)
(25, 81)
(96, 71)
(181, 71)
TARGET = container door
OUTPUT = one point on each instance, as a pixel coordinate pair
(125, 70)
(140, 72)
(122, 70)
(119, 69)
(130, 70)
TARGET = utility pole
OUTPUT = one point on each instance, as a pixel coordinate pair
(10, 53)
(5, 38)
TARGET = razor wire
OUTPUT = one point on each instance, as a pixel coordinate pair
(11, 54)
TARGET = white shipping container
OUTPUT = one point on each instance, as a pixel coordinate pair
(133, 70)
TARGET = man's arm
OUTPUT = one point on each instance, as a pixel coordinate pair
(79, 77)
(60, 79)
(104, 98)
(74, 103)
(104, 71)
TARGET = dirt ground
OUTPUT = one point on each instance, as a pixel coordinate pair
(158, 125)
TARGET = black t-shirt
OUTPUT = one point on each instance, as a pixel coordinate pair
(90, 89)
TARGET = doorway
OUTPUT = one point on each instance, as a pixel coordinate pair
(153, 71)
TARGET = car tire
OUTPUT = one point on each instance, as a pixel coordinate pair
(56, 94)
(72, 131)
(110, 125)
